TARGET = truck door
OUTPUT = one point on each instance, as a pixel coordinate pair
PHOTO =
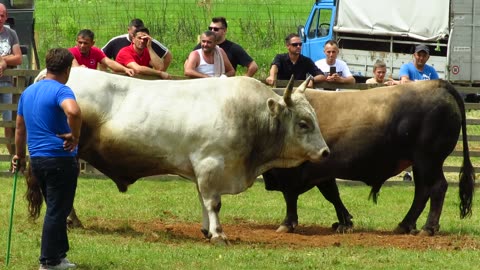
(318, 29)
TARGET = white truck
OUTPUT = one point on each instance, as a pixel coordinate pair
(367, 30)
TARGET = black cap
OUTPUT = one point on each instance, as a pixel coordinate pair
(422, 47)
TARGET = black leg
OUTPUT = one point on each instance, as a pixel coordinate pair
(291, 218)
(329, 190)
(421, 196)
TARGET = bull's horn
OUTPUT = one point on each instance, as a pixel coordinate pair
(287, 96)
(303, 86)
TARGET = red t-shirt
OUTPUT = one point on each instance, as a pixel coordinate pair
(128, 55)
(91, 60)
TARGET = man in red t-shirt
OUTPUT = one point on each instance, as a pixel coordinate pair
(87, 55)
(140, 55)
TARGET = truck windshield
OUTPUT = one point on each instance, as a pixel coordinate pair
(320, 25)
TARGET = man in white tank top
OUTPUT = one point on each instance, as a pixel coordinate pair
(208, 61)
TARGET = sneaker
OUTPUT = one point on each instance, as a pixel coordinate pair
(67, 263)
(64, 264)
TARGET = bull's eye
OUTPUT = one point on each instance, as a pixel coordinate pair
(303, 125)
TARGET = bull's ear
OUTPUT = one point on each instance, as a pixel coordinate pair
(287, 95)
(303, 86)
(274, 107)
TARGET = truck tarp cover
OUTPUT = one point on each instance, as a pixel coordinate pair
(423, 20)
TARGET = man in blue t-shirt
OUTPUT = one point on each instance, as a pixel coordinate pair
(49, 121)
(418, 70)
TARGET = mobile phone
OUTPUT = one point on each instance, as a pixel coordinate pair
(333, 70)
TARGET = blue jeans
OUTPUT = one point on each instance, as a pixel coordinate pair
(6, 98)
(57, 177)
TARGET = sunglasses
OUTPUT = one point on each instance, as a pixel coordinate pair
(215, 28)
(296, 44)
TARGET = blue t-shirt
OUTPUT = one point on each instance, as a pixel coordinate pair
(40, 106)
(413, 74)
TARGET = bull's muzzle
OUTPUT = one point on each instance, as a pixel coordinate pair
(320, 155)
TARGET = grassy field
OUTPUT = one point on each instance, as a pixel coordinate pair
(259, 26)
(120, 228)
(120, 233)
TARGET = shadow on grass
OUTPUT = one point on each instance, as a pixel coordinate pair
(154, 231)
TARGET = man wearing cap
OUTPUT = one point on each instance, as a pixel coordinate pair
(418, 70)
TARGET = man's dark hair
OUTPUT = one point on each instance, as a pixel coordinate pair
(289, 37)
(220, 20)
(58, 60)
(142, 29)
(136, 23)
(86, 33)
(209, 33)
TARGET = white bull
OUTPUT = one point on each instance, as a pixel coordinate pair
(221, 133)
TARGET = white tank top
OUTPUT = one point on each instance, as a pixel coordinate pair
(204, 67)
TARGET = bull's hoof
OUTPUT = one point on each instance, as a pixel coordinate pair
(414, 232)
(400, 230)
(404, 229)
(342, 228)
(429, 231)
(219, 241)
(285, 229)
(426, 233)
(74, 223)
(206, 233)
(335, 226)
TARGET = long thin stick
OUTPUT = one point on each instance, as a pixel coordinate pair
(7, 261)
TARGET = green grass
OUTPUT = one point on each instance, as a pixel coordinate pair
(175, 201)
(259, 26)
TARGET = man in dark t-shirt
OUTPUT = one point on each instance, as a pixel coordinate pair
(293, 62)
(236, 54)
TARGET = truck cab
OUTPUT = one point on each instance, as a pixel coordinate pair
(318, 29)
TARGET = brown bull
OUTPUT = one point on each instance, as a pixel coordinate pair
(374, 135)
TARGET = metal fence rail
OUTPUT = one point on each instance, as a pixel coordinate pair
(23, 78)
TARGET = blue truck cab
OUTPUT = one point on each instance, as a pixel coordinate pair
(318, 28)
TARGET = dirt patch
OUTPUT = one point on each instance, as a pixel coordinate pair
(305, 236)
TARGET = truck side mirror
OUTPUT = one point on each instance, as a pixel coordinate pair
(301, 33)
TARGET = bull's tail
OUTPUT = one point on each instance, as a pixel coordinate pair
(467, 173)
(33, 194)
